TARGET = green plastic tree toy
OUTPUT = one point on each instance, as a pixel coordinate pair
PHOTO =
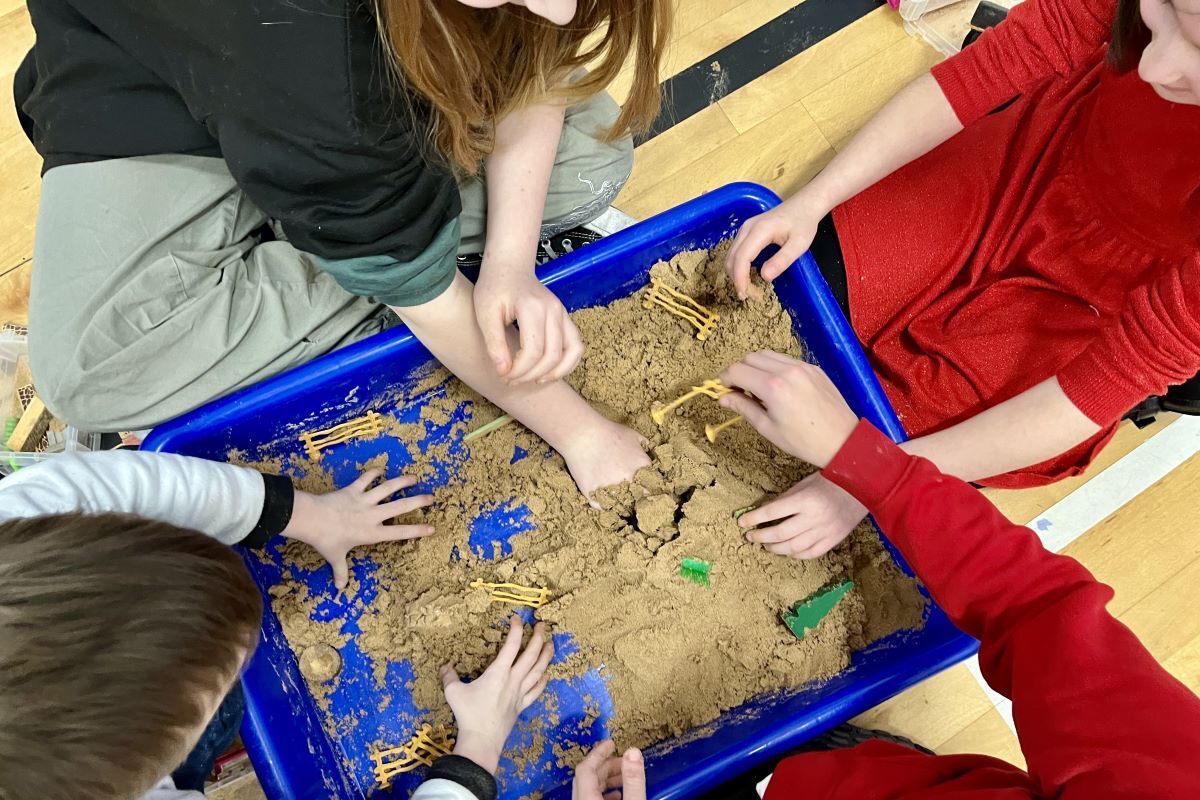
(807, 614)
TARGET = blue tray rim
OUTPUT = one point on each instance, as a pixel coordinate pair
(260, 675)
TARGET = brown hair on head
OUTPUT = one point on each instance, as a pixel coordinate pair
(472, 66)
(117, 636)
(1129, 36)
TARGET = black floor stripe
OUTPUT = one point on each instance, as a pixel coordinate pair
(750, 57)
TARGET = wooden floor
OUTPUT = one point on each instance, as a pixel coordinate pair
(779, 131)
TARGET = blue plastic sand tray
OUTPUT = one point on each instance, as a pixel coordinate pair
(286, 730)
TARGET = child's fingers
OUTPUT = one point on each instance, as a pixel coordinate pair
(769, 361)
(777, 264)
(512, 644)
(781, 533)
(532, 323)
(784, 531)
(613, 777)
(633, 774)
(365, 480)
(494, 328)
(818, 548)
(530, 654)
(785, 505)
(757, 240)
(781, 359)
(389, 487)
(749, 408)
(572, 354)
(742, 375)
(800, 542)
(449, 676)
(737, 262)
(609, 774)
(341, 572)
(596, 760)
(398, 533)
(533, 694)
(539, 668)
(553, 352)
(404, 505)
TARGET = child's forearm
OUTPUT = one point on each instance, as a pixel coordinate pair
(447, 326)
(518, 177)
(224, 501)
(1036, 425)
(1047, 641)
(912, 123)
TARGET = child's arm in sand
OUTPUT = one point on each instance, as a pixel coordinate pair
(508, 291)
(813, 516)
(912, 123)
(234, 505)
(1096, 715)
(485, 710)
(598, 452)
(1039, 40)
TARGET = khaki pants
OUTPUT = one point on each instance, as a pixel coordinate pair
(152, 293)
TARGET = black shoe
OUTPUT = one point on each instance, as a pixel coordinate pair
(988, 15)
(566, 242)
(1181, 399)
(549, 249)
(845, 736)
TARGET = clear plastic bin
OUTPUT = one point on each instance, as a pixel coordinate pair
(14, 374)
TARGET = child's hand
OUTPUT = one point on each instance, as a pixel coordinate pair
(487, 708)
(599, 776)
(792, 403)
(792, 226)
(551, 346)
(810, 519)
(334, 524)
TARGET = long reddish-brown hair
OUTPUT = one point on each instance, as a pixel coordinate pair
(473, 66)
(1129, 36)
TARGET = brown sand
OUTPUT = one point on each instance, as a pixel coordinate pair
(678, 653)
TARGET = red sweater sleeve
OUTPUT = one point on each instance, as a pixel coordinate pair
(1096, 715)
(1040, 39)
(1153, 344)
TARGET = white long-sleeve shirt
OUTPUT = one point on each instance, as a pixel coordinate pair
(221, 500)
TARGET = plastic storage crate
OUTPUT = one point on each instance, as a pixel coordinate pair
(288, 744)
(14, 372)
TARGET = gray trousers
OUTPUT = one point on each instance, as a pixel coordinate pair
(152, 294)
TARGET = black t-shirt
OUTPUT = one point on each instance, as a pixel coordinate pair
(293, 94)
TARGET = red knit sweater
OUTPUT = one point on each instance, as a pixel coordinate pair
(1096, 715)
(1056, 237)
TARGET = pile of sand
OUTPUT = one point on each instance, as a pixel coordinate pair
(678, 653)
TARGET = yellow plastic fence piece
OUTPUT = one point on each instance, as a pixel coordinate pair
(515, 593)
(679, 304)
(711, 432)
(420, 751)
(316, 441)
(713, 389)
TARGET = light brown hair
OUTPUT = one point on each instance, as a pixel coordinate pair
(116, 636)
(1129, 36)
(474, 66)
